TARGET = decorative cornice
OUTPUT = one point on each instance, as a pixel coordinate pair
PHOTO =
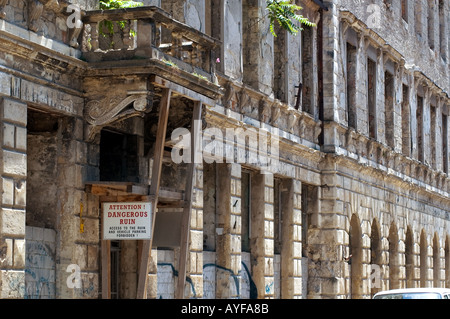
(99, 113)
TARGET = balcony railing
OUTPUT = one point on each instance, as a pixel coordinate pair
(147, 33)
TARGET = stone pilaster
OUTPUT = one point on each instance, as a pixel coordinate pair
(227, 228)
(13, 117)
(261, 234)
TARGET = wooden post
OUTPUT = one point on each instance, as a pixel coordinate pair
(106, 267)
(154, 191)
(186, 218)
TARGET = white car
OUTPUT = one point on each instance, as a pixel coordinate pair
(414, 293)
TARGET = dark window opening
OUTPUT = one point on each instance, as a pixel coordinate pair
(309, 202)
(433, 135)
(115, 269)
(419, 131)
(245, 211)
(307, 70)
(389, 108)
(351, 85)
(371, 97)
(118, 157)
(445, 142)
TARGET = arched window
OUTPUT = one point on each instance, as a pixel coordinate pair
(393, 258)
(423, 259)
(356, 258)
(436, 262)
(375, 256)
(409, 258)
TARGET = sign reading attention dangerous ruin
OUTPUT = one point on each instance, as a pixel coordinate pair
(131, 220)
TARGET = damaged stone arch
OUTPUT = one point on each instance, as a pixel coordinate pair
(394, 269)
(355, 258)
(375, 251)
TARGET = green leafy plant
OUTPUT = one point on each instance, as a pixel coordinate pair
(117, 4)
(285, 13)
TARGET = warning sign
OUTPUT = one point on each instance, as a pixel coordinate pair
(127, 220)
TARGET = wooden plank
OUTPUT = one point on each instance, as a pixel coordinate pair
(154, 190)
(168, 194)
(106, 269)
(115, 188)
(186, 218)
(106, 266)
(181, 90)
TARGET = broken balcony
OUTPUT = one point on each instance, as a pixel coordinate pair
(149, 34)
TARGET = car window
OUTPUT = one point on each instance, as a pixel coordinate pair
(429, 295)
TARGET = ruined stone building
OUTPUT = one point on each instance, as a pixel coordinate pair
(313, 165)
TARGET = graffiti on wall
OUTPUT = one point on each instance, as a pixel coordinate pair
(234, 282)
(39, 270)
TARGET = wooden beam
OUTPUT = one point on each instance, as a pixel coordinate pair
(181, 90)
(154, 190)
(186, 218)
(106, 267)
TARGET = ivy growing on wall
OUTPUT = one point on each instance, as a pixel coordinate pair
(116, 4)
(285, 13)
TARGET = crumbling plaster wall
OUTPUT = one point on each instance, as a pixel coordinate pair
(416, 51)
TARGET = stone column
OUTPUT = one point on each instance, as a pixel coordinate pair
(195, 257)
(326, 238)
(261, 234)
(228, 222)
(291, 271)
(13, 116)
(330, 52)
(75, 246)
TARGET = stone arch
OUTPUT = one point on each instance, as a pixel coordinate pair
(436, 261)
(409, 258)
(356, 252)
(423, 259)
(394, 269)
(375, 253)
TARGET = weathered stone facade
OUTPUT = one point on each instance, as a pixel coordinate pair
(324, 167)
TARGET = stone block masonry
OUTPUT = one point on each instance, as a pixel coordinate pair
(358, 202)
(13, 171)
